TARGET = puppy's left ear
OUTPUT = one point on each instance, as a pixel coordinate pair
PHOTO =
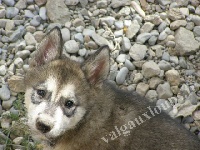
(49, 49)
(96, 67)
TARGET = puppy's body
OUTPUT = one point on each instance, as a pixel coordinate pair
(71, 106)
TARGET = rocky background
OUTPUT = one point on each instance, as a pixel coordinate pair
(155, 50)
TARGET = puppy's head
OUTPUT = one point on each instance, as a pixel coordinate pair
(58, 93)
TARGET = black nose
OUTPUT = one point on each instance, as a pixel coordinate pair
(42, 127)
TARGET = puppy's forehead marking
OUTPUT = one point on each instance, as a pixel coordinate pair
(51, 84)
(68, 91)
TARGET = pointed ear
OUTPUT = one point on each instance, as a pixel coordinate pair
(49, 49)
(96, 67)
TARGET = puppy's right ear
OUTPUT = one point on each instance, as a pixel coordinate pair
(49, 49)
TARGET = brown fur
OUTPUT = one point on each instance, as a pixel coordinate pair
(106, 107)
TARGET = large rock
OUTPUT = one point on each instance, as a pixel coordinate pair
(57, 12)
(185, 42)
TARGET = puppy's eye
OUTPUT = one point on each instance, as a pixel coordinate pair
(41, 93)
(69, 104)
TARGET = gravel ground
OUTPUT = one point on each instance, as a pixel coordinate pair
(155, 50)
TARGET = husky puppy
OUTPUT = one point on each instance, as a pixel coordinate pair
(72, 106)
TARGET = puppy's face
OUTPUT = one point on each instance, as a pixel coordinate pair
(58, 93)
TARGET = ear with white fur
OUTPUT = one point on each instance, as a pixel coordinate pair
(49, 49)
(96, 67)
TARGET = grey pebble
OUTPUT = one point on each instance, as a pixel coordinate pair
(79, 37)
(126, 44)
(3, 70)
(164, 91)
(151, 95)
(4, 93)
(138, 51)
(11, 12)
(71, 46)
(164, 65)
(150, 69)
(36, 21)
(121, 75)
(9, 2)
(143, 37)
(42, 13)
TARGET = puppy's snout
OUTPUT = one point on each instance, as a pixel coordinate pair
(44, 128)
(44, 123)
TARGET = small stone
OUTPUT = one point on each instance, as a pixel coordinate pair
(196, 30)
(164, 65)
(4, 93)
(138, 77)
(182, 62)
(164, 91)
(40, 2)
(164, 2)
(79, 37)
(119, 3)
(184, 90)
(121, 75)
(11, 12)
(129, 64)
(132, 29)
(150, 69)
(9, 2)
(18, 140)
(119, 33)
(174, 59)
(2, 13)
(65, 34)
(71, 2)
(18, 62)
(42, 13)
(151, 95)
(108, 20)
(121, 58)
(82, 52)
(23, 54)
(5, 123)
(137, 8)
(102, 4)
(119, 24)
(147, 27)
(101, 41)
(3, 70)
(35, 21)
(88, 32)
(173, 77)
(143, 37)
(195, 19)
(71, 46)
(192, 98)
(8, 103)
(155, 19)
(175, 14)
(39, 35)
(142, 88)
(152, 40)
(28, 14)
(162, 26)
(29, 38)
(78, 22)
(154, 82)
(126, 44)
(178, 23)
(10, 24)
(21, 4)
(138, 52)
(162, 36)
